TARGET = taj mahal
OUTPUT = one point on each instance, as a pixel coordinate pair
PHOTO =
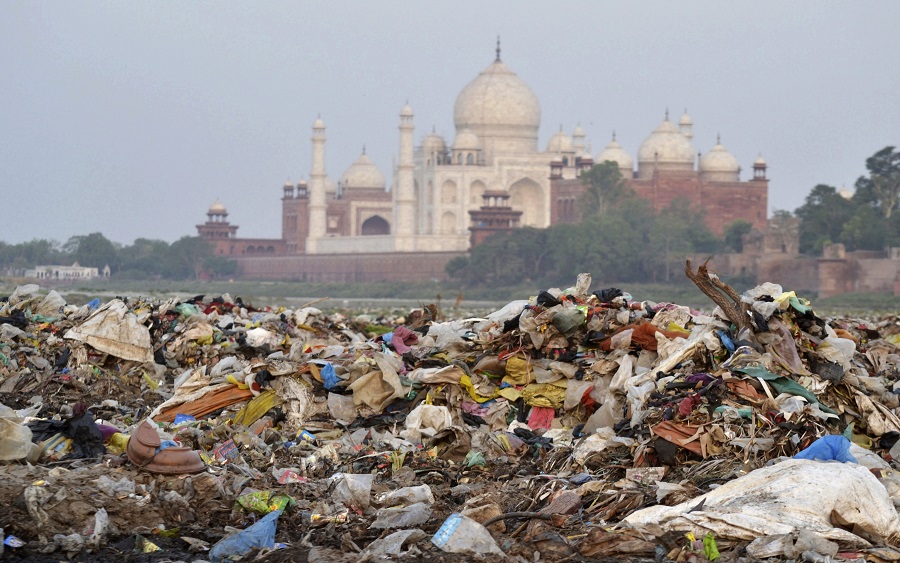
(443, 197)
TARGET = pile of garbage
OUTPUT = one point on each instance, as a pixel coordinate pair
(574, 424)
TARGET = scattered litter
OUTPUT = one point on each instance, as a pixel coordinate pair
(572, 423)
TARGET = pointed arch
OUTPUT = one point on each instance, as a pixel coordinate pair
(375, 225)
(448, 192)
(448, 223)
(527, 196)
(476, 190)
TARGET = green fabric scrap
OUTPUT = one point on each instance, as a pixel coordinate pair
(784, 385)
(795, 302)
(709, 547)
(264, 502)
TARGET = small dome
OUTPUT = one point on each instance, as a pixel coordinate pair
(579, 132)
(330, 185)
(406, 111)
(433, 143)
(685, 119)
(668, 148)
(217, 209)
(288, 184)
(319, 124)
(719, 164)
(718, 159)
(363, 174)
(559, 142)
(466, 140)
(615, 153)
(760, 161)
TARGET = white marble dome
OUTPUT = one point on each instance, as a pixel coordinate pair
(363, 174)
(501, 109)
(559, 143)
(719, 165)
(217, 209)
(615, 153)
(466, 140)
(433, 144)
(666, 148)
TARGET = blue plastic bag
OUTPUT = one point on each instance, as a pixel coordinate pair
(259, 535)
(329, 378)
(828, 448)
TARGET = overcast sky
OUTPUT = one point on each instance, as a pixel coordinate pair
(132, 118)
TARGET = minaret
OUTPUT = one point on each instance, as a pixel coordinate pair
(686, 125)
(317, 208)
(578, 142)
(404, 196)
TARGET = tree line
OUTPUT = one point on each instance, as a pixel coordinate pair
(620, 238)
(186, 258)
(867, 220)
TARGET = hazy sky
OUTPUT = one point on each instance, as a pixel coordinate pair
(131, 118)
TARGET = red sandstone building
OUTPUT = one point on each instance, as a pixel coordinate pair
(443, 198)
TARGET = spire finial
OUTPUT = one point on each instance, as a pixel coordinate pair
(667, 114)
(718, 138)
(364, 148)
(614, 135)
(498, 49)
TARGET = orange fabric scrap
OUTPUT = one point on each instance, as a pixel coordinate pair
(679, 434)
(211, 402)
(643, 335)
(743, 388)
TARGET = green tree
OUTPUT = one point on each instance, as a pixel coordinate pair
(507, 258)
(865, 230)
(734, 234)
(823, 215)
(605, 189)
(609, 246)
(882, 187)
(219, 266)
(458, 268)
(93, 251)
(37, 252)
(676, 231)
(186, 258)
(145, 256)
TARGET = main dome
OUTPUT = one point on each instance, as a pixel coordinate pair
(501, 109)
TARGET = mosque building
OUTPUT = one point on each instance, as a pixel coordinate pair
(443, 197)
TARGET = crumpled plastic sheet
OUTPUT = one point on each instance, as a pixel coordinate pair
(115, 330)
(784, 498)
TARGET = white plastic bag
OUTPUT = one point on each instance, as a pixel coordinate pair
(797, 494)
